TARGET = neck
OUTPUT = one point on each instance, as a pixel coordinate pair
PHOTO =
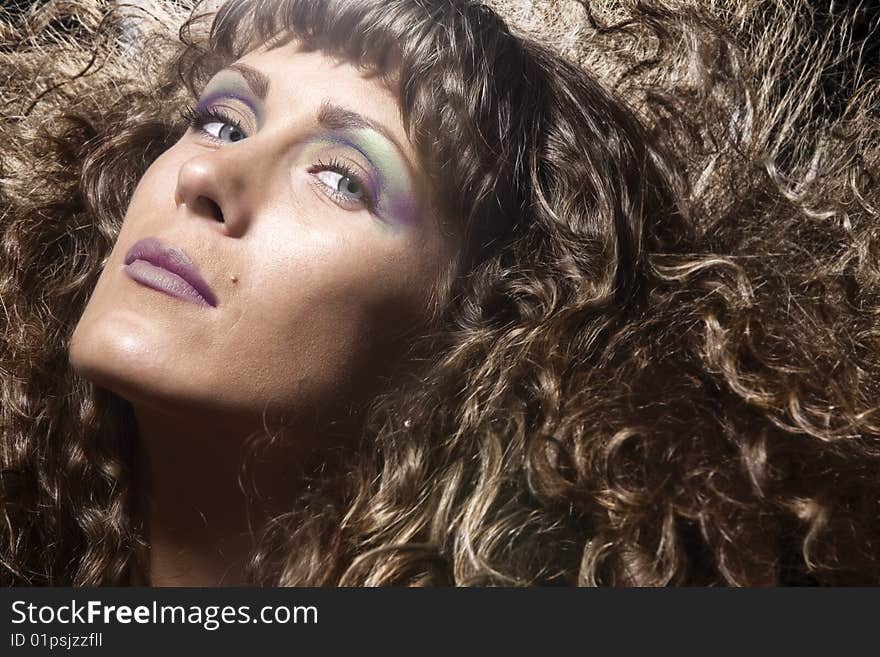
(206, 495)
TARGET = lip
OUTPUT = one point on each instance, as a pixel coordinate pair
(168, 269)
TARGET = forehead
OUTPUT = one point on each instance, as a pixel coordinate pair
(300, 80)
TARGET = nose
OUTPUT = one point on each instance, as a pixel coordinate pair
(214, 186)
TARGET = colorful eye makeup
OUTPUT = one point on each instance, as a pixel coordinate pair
(390, 184)
(229, 105)
(228, 86)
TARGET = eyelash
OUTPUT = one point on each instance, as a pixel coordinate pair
(197, 118)
(346, 172)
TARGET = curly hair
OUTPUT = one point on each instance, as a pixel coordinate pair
(655, 360)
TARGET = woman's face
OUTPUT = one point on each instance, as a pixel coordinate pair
(298, 200)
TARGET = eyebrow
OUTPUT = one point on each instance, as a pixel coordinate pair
(330, 115)
(256, 80)
(335, 117)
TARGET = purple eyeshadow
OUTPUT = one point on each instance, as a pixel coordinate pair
(211, 99)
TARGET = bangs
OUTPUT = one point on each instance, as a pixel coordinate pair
(372, 35)
(395, 40)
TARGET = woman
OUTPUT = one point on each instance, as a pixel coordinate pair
(380, 293)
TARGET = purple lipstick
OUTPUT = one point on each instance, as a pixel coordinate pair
(169, 270)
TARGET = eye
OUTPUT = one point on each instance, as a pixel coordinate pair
(343, 184)
(214, 123)
(224, 131)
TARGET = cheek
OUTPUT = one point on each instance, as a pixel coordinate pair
(156, 188)
(330, 312)
(152, 204)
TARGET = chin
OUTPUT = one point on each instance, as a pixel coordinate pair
(121, 362)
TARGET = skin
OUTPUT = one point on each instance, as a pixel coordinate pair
(314, 295)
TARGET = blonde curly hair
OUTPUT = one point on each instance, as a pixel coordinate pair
(658, 361)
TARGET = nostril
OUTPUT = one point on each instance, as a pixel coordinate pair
(211, 208)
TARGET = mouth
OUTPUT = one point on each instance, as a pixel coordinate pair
(168, 270)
